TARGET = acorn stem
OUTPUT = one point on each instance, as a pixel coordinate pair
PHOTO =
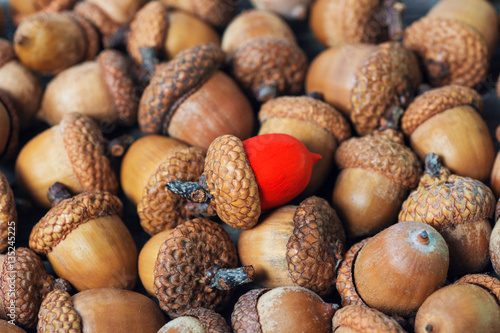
(228, 278)
(193, 191)
(392, 118)
(432, 164)
(57, 193)
(423, 238)
(266, 92)
(391, 13)
(118, 146)
(149, 59)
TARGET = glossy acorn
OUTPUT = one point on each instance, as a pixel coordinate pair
(24, 8)
(289, 9)
(199, 320)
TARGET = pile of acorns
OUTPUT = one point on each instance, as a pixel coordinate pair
(273, 186)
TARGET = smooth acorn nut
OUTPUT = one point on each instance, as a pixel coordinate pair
(105, 310)
(190, 100)
(9, 127)
(89, 224)
(7, 327)
(24, 8)
(494, 246)
(356, 21)
(455, 41)
(460, 208)
(263, 55)
(283, 309)
(290, 9)
(295, 246)
(361, 319)
(349, 78)
(468, 305)
(8, 214)
(197, 320)
(447, 121)
(147, 260)
(102, 89)
(214, 12)
(395, 270)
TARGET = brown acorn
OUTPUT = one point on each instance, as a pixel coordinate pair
(8, 214)
(263, 55)
(199, 320)
(495, 171)
(196, 267)
(336, 22)
(51, 42)
(455, 41)
(102, 89)
(190, 100)
(364, 81)
(315, 123)
(24, 8)
(460, 208)
(283, 309)
(447, 121)
(73, 154)
(290, 9)
(7, 327)
(471, 304)
(494, 246)
(214, 12)
(360, 319)
(9, 127)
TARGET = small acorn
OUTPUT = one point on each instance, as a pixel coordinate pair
(447, 121)
(9, 127)
(460, 208)
(364, 81)
(290, 9)
(263, 55)
(283, 309)
(295, 246)
(214, 12)
(336, 22)
(360, 319)
(8, 214)
(455, 41)
(24, 8)
(197, 320)
(494, 246)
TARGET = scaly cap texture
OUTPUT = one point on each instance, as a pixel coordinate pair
(364, 319)
(345, 276)
(487, 282)
(211, 321)
(95, 15)
(245, 318)
(8, 213)
(57, 314)
(92, 39)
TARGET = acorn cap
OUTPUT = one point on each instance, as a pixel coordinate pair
(438, 100)
(12, 141)
(345, 276)
(8, 213)
(57, 313)
(115, 70)
(245, 317)
(316, 246)
(456, 50)
(307, 109)
(148, 30)
(232, 183)
(68, 215)
(487, 282)
(174, 81)
(211, 321)
(269, 67)
(161, 209)
(387, 77)
(99, 19)
(47, 6)
(356, 14)
(185, 260)
(6, 52)
(380, 154)
(92, 39)
(362, 318)
(86, 148)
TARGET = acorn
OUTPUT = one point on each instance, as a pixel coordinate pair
(196, 267)
(8, 215)
(263, 55)
(455, 41)
(295, 246)
(89, 224)
(361, 319)
(102, 89)
(73, 154)
(283, 309)
(471, 304)
(494, 246)
(460, 208)
(241, 179)
(23, 8)
(316, 124)
(104, 310)
(199, 320)
(9, 127)
(214, 12)
(190, 100)
(395, 270)
(447, 121)
(51, 42)
(7, 327)
(364, 81)
(495, 171)
(360, 21)
(290, 9)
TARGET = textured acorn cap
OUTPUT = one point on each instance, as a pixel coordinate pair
(95, 15)
(8, 213)
(58, 314)
(92, 39)
(190, 252)
(345, 276)
(214, 12)
(245, 317)
(487, 282)
(211, 321)
(436, 101)
(362, 318)
(310, 109)
(454, 44)
(6, 52)
(48, 6)
(68, 215)
(12, 141)
(232, 183)
(387, 77)
(174, 81)
(161, 209)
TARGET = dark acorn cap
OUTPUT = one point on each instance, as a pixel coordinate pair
(58, 314)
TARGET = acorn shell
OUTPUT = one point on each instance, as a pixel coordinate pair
(57, 312)
(211, 321)
(13, 126)
(90, 33)
(47, 6)
(95, 15)
(490, 283)
(360, 318)
(214, 12)
(8, 213)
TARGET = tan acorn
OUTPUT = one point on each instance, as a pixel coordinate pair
(214, 12)
(460, 208)
(283, 309)
(9, 127)
(471, 304)
(315, 123)
(263, 55)
(8, 214)
(197, 320)
(104, 310)
(24, 8)
(191, 101)
(447, 121)
(364, 81)
(360, 319)
(356, 21)
(494, 246)
(455, 41)
(290, 9)
(7, 327)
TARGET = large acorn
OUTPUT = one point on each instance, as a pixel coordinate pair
(214, 12)
(9, 127)
(447, 121)
(197, 320)
(364, 81)
(290, 9)
(460, 208)
(359, 318)
(455, 41)
(8, 214)
(263, 55)
(24, 8)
